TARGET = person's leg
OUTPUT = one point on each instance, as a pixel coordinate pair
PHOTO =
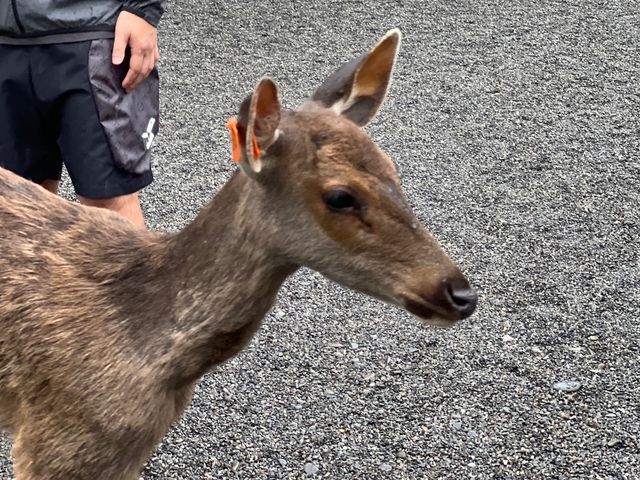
(52, 185)
(103, 132)
(27, 146)
(126, 205)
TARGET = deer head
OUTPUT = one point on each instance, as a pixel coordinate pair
(330, 199)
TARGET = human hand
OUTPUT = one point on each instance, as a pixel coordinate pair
(142, 38)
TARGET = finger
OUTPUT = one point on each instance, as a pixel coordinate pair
(135, 71)
(147, 66)
(119, 45)
(149, 63)
(131, 81)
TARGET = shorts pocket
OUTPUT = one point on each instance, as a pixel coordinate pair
(130, 120)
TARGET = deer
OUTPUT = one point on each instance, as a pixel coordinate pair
(105, 328)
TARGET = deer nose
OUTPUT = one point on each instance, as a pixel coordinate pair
(461, 297)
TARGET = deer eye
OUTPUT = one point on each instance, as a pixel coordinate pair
(340, 200)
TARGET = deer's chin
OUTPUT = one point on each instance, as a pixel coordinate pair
(426, 315)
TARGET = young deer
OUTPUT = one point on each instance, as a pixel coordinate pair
(105, 328)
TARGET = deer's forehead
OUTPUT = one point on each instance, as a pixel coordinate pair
(343, 144)
(364, 158)
(337, 144)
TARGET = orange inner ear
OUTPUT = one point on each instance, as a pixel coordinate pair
(375, 71)
(236, 144)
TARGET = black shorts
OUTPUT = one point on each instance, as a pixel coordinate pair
(64, 103)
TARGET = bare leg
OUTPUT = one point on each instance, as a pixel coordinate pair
(126, 205)
(51, 185)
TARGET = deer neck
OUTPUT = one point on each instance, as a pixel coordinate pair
(226, 279)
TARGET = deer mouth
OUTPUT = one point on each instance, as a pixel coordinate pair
(426, 313)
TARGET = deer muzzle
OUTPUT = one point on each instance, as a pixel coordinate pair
(452, 300)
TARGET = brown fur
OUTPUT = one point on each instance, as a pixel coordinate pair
(104, 328)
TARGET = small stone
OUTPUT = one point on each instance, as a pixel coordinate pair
(413, 350)
(431, 342)
(385, 467)
(472, 434)
(279, 314)
(537, 350)
(508, 339)
(354, 345)
(310, 469)
(283, 462)
(456, 424)
(615, 442)
(567, 386)
(369, 376)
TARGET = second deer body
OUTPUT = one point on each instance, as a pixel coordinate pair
(104, 328)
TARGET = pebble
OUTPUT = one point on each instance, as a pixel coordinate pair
(310, 469)
(615, 442)
(508, 339)
(567, 386)
(385, 467)
(456, 424)
(283, 462)
(431, 342)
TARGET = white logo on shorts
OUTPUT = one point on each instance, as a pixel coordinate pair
(148, 136)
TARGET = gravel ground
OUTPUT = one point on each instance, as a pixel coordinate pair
(515, 126)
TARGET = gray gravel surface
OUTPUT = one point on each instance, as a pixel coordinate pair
(515, 126)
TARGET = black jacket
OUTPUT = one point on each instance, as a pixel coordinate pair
(35, 22)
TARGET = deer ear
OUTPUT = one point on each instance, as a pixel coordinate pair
(257, 126)
(358, 88)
